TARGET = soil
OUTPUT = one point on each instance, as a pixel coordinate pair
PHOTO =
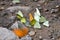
(50, 9)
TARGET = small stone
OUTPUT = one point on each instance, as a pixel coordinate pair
(38, 5)
(26, 4)
(52, 31)
(44, 39)
(32, 33)
(53, 38)
(49, 34)
(11, 4)
(54, 10)
(40, 37)
(55, 15)
(27, 37)
(2, 8)
(40, 8)
(57, 6)
(46, 10)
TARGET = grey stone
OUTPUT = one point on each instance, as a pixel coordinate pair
(27, 37)
(32, 33)
(26, 9)
(6, 18)
(6, 34)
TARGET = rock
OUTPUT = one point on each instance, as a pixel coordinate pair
(26, 9)
(6, 34)
(6, 18)
(27, 37)
(32, 33)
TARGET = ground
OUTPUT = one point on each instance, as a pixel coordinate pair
(50, 9)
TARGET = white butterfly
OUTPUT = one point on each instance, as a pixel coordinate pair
(20, 13)
(46, 23)
(37, 25)
(37, 15)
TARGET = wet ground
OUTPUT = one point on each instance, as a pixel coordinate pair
(50, 9)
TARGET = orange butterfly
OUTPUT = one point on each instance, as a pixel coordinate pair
(31, 17)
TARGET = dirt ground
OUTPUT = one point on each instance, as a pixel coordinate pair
(50, 9)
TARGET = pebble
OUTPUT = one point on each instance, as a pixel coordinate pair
(44, 39)
(46, 10)
(27, 37)
(57, 6)
(42, 1)
(11, 4)
(53, 38)
(2, 8)
(40, 8)
(40, 37)
(54, 10)
(38, 5)
(32, 33)
(54, 15)
(26, 4)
